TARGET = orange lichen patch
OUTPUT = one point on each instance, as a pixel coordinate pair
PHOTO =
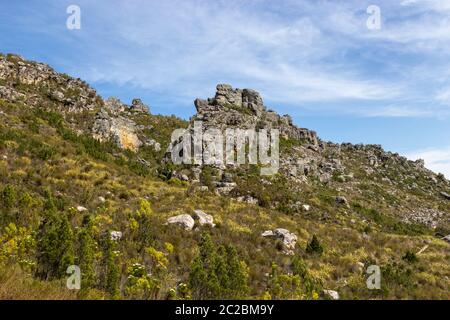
(128, 140)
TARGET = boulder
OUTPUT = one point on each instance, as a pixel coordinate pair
(341, 200)
(288, 239)
(331, 294)
(204, 218)
(116, 235)
(446, 238)
(182, 220)
(81, 209)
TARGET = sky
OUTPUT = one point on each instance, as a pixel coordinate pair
(324, 62)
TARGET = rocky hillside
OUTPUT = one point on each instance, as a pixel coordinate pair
(89, 182)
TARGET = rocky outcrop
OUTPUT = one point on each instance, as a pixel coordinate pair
(36, 84)
(429, 217)
(288, 239)
(113, 123)
(119, 129)
(138, 106)
(244, 109)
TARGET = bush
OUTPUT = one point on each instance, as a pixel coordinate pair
(9, 196)
(218, 273)
(314, 246)
(410, 257)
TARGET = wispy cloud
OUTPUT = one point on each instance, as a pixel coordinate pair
(437, 160)
(295, 52)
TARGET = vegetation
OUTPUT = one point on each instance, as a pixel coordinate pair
(49, 168)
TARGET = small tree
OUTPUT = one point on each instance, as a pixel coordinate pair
(218, 273)
(314, 246)
(9, 196)
(54, 245)
(410, 257)
(86, 253)
(112, 272)
(203, 278)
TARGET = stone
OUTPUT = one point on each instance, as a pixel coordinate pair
(119, 129)
(445, 195)
(227, 177)
(306, 207)
(116, 235)
(267, 233)
(446, 238)
(288, 239)
(204, 218)
(138, 106)
(331, 294)
(341, 200)
(81, 209)
(115, 105)
(101, 199)
(183, 220)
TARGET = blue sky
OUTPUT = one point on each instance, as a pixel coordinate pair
(315, 60)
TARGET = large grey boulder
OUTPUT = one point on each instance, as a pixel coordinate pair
(204, 218)
(183, 220)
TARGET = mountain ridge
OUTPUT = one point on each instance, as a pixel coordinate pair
(102, 167)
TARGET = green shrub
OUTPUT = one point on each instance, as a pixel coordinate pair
(410, 257)
(9, 196)
(314, 246)
(217, 273)
(176, 182)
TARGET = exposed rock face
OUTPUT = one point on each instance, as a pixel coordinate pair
(183, 220)
(288, 239)
(120, 129)
(204, 218)
(113, 122)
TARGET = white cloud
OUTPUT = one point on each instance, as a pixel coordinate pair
(443, 96)
(294, 51)
(437, 160)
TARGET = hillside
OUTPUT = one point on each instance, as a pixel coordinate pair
(89, 181)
